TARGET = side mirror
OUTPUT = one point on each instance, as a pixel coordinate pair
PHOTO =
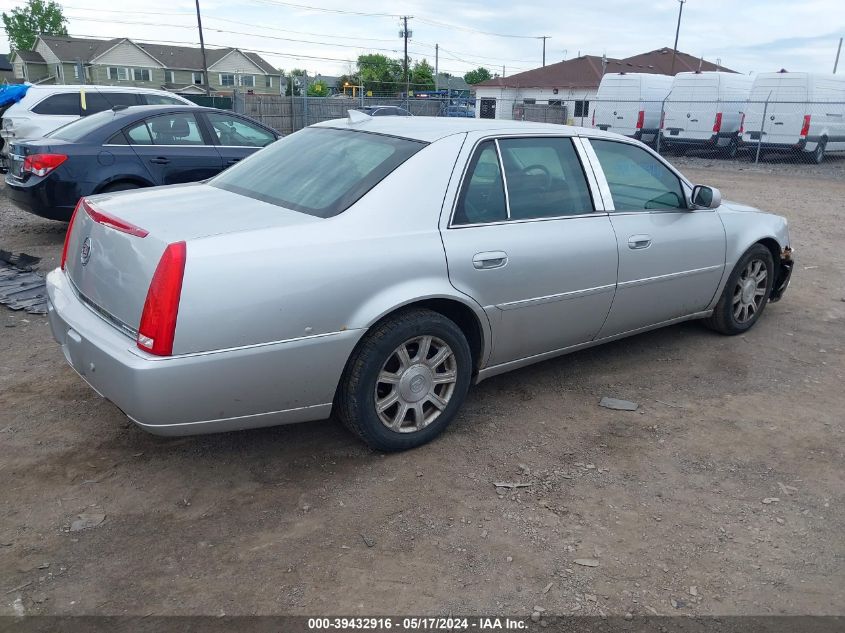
(704, 197)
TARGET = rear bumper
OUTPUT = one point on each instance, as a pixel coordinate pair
(42, 197)
(249, 387)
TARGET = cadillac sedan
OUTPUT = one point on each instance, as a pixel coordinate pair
(372, 268)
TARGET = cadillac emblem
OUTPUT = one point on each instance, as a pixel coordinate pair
(85, 254)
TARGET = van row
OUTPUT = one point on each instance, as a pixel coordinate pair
(728, 112)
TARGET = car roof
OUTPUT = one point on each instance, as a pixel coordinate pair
(97, 88)
(431, 129)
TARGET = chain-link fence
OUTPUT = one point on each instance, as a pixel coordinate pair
(759, 130)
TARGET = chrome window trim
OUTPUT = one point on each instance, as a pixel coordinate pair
(451, 225)
(154, 145)
(504, 178)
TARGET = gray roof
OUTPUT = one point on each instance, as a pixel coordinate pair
(30, 56)
(452, 82)
(70, 49)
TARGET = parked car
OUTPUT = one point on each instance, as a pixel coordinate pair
(384, 110)
(46, 108)
(630, 104)
(805, 113)
(705, 110)
(128, 148)
(293, 285)
(458, 110)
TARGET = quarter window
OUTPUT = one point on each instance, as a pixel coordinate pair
(544, 178)
(637, 180)
(65, 103)
(482, 197)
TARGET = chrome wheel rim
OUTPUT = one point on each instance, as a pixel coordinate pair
(750, 291)
(415, 384)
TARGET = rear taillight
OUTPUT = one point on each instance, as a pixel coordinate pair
(594, 118)
(662, 119)
(742, 123)
(640, 119)
(69, 230)
(42, 164)
(805, 129)
(101, 217)
(158, 320)
(717, 124)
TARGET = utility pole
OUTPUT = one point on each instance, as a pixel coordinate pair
(544, 38)
(202, 48)
(405, 34)
(838, 50)
(677, 32)
(503, 71)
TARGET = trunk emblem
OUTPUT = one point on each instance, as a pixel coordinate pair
(85, 254)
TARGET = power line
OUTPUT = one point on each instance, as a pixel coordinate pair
(467, 29)
(325, 10)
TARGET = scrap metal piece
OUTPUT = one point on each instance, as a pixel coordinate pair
(20, 287)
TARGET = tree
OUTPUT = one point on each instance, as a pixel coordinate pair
(380, 74)
(422, 76)
(24, 25)
(477, 76)
(294, 80)
(318, 88)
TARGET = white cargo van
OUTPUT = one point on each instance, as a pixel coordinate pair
(805, 113)
(630, 104)
(705, 110)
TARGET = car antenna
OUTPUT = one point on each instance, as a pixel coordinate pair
(356, 116)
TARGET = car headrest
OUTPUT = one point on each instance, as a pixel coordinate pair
(180, 128)
(161, 125)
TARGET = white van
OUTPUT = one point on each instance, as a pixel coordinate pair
(705, 110)
(805, 113)
(630, 104)
(46, 108)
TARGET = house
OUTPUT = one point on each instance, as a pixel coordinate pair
(7, 73)
(573, 83)
(121, 61)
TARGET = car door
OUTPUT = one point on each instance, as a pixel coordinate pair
(174, 148)
(526, 242)
(671, 258)
(235, 137)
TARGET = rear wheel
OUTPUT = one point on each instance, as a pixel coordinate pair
(746, 293)
(406, 381)
(732, 148)
(817, 155)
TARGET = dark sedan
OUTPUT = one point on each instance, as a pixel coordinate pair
(128, 148)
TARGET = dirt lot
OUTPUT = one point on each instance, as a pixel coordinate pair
(723, 494)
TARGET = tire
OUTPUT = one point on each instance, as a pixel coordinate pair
(732, 148)
(377, 356)
(119, 186)
(733, 315)
(816, 157)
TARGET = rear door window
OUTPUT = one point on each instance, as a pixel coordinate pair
(64, 103)
(179, 128)
(100, 101)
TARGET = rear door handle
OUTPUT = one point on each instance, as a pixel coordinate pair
(489, 259)
(160, 160)
(636, 242)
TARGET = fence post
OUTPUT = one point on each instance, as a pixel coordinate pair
(305, 102)
(762, 125)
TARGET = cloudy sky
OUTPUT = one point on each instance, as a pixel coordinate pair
(750, 35)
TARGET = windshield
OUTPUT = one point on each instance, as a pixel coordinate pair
(75, 130)
(318, 171)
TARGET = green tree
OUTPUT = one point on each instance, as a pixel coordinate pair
(422, 76)
(294, 82)
(318, 88)
(380, 73)
(477, 76)
(37, 17)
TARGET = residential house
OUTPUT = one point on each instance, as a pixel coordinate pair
(124, 62)
(7, 73)
(573, 83)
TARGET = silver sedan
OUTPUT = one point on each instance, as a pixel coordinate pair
(373, 268)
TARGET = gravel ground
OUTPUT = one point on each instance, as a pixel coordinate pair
(723, 494)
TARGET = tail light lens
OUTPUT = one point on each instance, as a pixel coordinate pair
(69, 231)
(805, 129)
(662, 119)
(594, 118)
(161, 308)
(717, 124)
(42, 164)
(101, 217)
(742, 123)
(640, 119)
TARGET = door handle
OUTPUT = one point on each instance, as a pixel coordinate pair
(160, 160)
(636, 242)
(232, 161)
(490, 259)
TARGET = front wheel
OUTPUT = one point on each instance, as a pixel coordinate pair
(746, 293)
(405, 381)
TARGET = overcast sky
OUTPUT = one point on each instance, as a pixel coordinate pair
(750, 35)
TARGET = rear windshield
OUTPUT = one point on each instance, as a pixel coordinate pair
(75, 130)
(318, 171)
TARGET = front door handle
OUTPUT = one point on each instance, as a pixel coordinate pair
(160, 160)
(636, 242)
(490, 259)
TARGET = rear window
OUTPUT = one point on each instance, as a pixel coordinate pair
(318, 171)
(75, 130)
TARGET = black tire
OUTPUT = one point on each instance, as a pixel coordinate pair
(732, 148)
(724, 319)
(816, 157)
(355, 402)
(119, 186)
